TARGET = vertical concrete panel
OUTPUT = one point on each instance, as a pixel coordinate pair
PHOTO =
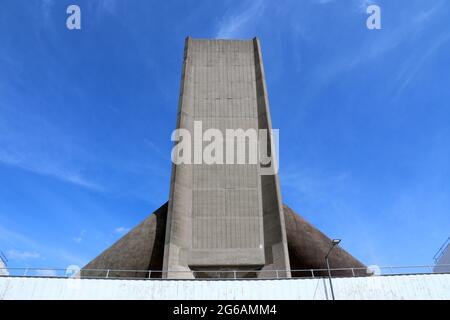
(216, 216)
(276, 250)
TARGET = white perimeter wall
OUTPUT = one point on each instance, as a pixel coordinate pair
(429, 286)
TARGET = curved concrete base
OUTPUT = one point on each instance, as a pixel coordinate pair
(140, 249)
(143, 249)
(308, 247)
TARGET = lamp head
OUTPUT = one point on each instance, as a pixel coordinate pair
(335, 242)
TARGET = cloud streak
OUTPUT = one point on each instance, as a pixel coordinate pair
(22, 255)
(34, 250)
(235, 26)
(47, 168)
(413, 66)
(121, 230)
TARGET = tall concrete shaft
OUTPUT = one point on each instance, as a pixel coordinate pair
(224, 216)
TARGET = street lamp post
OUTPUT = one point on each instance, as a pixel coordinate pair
(334, 243)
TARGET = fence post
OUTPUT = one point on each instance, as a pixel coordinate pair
(353, 272)
(107, 274)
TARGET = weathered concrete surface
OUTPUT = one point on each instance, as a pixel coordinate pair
(223, 215)
(431, 286)
(308, 247)
(142, 249)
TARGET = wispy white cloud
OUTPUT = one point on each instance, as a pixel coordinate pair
(235, 25)
(109, 6)
(374, 48)
(34, 143)
(322, 1)
(314, 185)
(34, 248)
(80, 237)
(101, 7)
(23, 255)
(46, 6)
(362, 5)
(413, 65)
(157, 150)
(121, 230)
(46, 273)
(48, 168)
(427, 14)
(12, 237)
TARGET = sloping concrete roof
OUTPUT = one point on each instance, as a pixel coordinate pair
(143, 248)
(140, 249)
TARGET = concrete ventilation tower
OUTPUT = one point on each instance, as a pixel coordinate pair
(222, 217)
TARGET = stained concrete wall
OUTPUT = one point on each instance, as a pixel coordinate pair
(434, 286)
(142, 249)
(308, 247)
(276, 250)
(217, 213)
(222, 216)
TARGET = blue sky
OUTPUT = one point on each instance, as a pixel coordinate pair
(86, 118)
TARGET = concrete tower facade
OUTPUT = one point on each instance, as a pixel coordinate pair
(224, 216)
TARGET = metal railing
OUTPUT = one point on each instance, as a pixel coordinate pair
(220, 274)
